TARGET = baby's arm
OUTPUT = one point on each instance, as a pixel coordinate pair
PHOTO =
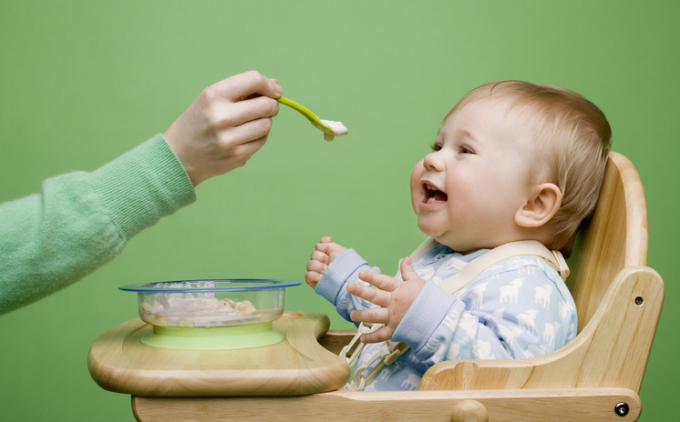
(508, 315)
(331, 268)
(513, 314)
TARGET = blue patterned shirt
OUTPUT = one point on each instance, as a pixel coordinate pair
(519, 308)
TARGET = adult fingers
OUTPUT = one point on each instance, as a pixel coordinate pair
(316, 266)
(319, 256)
(243, 85)
(406, 269)
(254, 130)
(380, 281)
(372, 315)
(376, 296)
(381, 334)
(241, 153)
(235, 114)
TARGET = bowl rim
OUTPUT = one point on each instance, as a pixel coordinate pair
(257, 284)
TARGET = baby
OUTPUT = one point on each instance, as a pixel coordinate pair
(513, 161)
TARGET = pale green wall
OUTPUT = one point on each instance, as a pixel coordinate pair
(82, 82)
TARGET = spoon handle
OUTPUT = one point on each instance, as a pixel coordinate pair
(305, 112)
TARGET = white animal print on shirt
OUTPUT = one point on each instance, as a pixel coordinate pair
(543, 295)
(572, 330)
(386, 373)
(425, 273)
(469, 324)
(550, 333)
(563, 308)
(451, 320)
(411, 382)
(439, 352)
(534, 352)
(454, 264)
(419, 261)
(453, 352)
(477, 295)
(527, 320)
(509, 334)
(482, 350)
(498, 313)
(523, 265)
(509, 293)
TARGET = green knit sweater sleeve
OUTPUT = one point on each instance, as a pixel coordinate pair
(82, 220)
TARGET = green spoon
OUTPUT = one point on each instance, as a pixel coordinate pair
(329, 128)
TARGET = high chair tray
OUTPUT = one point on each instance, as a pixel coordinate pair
(120, 362)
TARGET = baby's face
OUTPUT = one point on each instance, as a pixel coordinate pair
(467, 190)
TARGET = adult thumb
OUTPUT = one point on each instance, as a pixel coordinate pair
(406, 269)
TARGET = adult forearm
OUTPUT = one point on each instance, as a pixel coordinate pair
(82, 220)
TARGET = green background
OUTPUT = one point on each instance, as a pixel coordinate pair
(83, 82)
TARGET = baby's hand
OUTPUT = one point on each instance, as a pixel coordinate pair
(393, 296)
(325, 253)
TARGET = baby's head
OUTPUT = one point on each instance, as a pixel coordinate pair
(513, 161)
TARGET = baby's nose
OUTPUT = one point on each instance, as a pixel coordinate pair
(433, 161)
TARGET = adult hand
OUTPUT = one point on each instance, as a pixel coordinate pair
(393, 296)
(225, 125)
(325, 252)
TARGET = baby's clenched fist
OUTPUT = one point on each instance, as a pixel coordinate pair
(324, 254)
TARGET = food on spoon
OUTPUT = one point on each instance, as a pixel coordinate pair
(338, 129)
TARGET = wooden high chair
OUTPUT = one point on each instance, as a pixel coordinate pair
(596, 377)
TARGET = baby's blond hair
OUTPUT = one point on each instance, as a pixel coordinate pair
(573, 139)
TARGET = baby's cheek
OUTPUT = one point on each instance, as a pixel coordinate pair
(467, 202)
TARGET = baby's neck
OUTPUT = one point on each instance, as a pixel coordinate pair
(538, 234)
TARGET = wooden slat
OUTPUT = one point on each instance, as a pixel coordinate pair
(560, 405)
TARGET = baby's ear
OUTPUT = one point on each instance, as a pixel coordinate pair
(541, 206)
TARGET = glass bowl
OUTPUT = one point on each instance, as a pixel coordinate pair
(211, 302)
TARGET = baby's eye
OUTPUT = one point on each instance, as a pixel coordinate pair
(436, 146)
(465, 150)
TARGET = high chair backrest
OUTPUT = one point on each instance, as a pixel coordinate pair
(614, 238)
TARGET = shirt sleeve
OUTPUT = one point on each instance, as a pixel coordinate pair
(333, 283)
(511, 314)
(82, 220)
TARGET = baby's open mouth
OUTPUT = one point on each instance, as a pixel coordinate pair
(432, 194)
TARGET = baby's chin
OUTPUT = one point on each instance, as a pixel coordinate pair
(433, 231)
(447, 238)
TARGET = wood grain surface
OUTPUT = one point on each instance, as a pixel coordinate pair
(561, 405)
(615, 238)
(119, 362)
